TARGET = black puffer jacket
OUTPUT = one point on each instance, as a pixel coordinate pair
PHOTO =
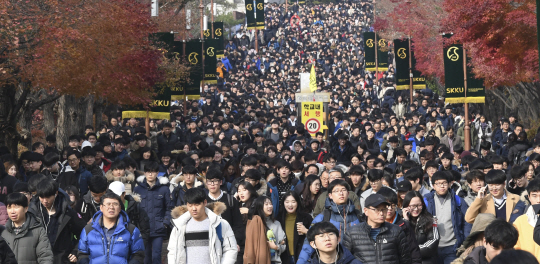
(427, 237)
(390, 246)
(416, 257)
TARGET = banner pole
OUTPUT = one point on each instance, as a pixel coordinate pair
(376, 59)
(410, 73)
(467, 128)
(147, 123)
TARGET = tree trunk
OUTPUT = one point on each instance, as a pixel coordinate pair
(89, 112)
(98, 109)
(9, 136)
(71, 119)
(49, 127)
(25, 123)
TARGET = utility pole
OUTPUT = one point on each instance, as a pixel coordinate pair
(467, 128)
(201, 7)
(410, 73)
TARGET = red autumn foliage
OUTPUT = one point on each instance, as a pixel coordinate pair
(80, 48)
(499, 35)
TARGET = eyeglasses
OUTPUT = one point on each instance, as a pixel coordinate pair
(378, 211)
(212, 182)
(325, 236)
(445, 184)
(391, 206)
(342, 191)
(72, 160)
(413, 207)
(113, 205)
(495, 186)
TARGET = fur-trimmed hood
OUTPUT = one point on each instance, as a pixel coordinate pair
(217, 207)
(264, 187)
(127, 178)
(162, 180)
(178, 179)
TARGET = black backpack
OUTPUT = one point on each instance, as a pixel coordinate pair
(520, 157)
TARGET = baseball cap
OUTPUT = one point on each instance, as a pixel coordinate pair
(375, 200)
(117, 187)
(404, 186)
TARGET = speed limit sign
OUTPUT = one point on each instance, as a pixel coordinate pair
(313, 125)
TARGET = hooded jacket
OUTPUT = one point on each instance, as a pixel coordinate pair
(156, 201)
(220, 252)
(126, 245)
(87, 207)
(31, 245)
(69, 225)
(6, 255)
(127, 179)
(138, 216)
(336, 218)
(178, 189)
(78, 178)
(344, 156)
(477, 256)
(344, 257)
(469, 244)
(390, 246)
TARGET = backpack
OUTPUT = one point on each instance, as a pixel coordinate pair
(520, 157)
(327, 214)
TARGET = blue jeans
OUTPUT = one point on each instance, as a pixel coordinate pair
(152, 254)
(446, 255)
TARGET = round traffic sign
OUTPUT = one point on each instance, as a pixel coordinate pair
(313, 125)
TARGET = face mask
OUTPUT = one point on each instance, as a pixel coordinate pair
(297, 174)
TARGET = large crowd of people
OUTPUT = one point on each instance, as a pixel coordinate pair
(240, 180)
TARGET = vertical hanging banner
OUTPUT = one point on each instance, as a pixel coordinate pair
(218, 34)
(382, 54)
(453, 72)
(250, 14)
(369, 50)
(260, 14)
(401, 51)
(419, 81)
(160, 107)
(476, 92)
(162, 40)
(301, 2)
(210, 61)
(194, 58)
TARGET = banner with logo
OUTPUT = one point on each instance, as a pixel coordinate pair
(194, 58)
(419, 81)
(476, 92)
(218, 34)
(453, 72)
(210, 61)
(401, 51)
(382, 54)
(250, 14)
(162, 40)
(260, 14)
(158, 108)
(369, 50)
(301, 2)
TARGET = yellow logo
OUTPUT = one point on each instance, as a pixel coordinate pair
(176, 55)
(382, 43)
(210, 51)
(193, 58)
(218, 32)
(369, 43)
(249, 7)
(401, 53)
(207, 33)
(452, 54)
(260, 6)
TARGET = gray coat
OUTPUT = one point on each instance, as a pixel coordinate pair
(31, 245)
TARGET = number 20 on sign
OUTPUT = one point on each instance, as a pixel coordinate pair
(313, 116)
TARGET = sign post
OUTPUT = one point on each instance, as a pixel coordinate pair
(313, 117)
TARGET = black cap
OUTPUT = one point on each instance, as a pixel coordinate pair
(259, 134)
(375, 200)
(33, 156)
(404, 186)
(393, 139)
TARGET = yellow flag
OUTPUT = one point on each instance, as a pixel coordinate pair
(313, 79)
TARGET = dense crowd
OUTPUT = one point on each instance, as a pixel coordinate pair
(239, 179)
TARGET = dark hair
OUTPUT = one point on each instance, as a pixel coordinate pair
(475, 174)
(72, 190)
(110, 195)
(500, 233)
(118, 165)
(413, 174)
(257, 208)
(534, 186)
(389, 195)
(375, 175)
(47, 188)
(440, 175)
(495, 177)
(151, 167)
(424, 221)
(339, 182)
(253, 174)
(513, 255)
(195, 196)
(50, 159)
(431, 164)
(213, 174)
(308, 200)
(321, 228)
(357, 170)
(251, 189)
(189, 169)
(409, 164)
(34, 181)
(130, 162)
(17, 199)
(98, 184)
(249, 161)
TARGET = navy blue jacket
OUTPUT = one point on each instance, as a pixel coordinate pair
(125, 246)
(345, 257)
(156, 201)
(462, 229)
(273, 191)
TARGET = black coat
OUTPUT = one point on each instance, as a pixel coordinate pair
(344, 157)
(430, 240)
(390, 246)
(69, 223)
(166, 143)
(6, 185)
(138, 216)
(406, 226)
(306, 220)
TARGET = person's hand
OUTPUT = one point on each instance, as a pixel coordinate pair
(72, 258)
(244, 210)
(481, 193)
(406, 211)
(302, 230)
(272, 245)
